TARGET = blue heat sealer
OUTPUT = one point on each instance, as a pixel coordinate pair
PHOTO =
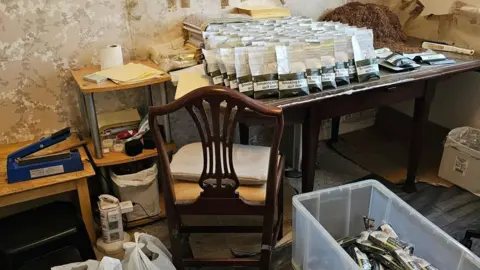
(22, 168)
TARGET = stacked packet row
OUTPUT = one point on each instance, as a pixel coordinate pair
(288, 57)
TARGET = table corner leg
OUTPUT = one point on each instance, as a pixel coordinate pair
(420, 119)
(86, 208)
(310, 134)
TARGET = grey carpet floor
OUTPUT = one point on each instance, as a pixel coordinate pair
(452, 209)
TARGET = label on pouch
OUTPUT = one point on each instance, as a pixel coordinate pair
(352, 69)
(433, 57)
(341, 72)
(394, 58)
(328, 77)
(314, 79)
(46, 171)
(218, 79)
(368, 69)
(233, 84)
(266, 85)
(293, 84)
(245, 87)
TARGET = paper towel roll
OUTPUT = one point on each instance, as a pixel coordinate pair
(111, 56)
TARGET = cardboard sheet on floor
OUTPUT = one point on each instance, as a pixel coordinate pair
(388, 156)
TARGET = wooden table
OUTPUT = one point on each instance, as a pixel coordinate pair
(392, 88)
(47, 186)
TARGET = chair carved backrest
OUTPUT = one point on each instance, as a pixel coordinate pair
(216, 111)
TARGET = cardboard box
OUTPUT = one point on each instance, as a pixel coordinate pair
(460, 164)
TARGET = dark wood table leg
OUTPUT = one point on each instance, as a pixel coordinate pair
(244, 134)
(310, 133)
(420, 119)
(335, 129)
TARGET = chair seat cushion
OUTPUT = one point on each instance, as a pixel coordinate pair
(249, 161)
(188, 192)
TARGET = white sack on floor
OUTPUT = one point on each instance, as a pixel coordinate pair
(147, 253)
(107, 263)
(90, 264)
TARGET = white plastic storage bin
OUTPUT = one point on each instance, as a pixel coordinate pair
(321, 217)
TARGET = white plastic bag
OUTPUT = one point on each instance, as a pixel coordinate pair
(141, 178)
(87, 265)
(107, 263)
(138, 254)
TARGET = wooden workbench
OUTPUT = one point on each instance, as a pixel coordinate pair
(47, 186)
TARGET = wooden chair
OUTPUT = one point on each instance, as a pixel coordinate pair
(218, 192)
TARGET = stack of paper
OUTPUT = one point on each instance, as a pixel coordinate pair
(188, 82)
(124, 118)
(130, 73)
(261, 12)
(196, 23)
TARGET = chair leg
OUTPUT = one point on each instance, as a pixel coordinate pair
(175, 242)
(265, 259)
(280, 211)
(268, 239)
(176, 250)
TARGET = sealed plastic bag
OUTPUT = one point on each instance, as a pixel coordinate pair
(242, 68)
(292, 80)
(263, 65)
(147, 253)
(365, 57)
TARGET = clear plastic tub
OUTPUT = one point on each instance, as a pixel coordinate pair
(321, 217)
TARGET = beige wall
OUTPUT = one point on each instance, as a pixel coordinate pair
(457, 98)
(41, 40)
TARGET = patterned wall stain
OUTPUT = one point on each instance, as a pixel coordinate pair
(185, 3)
(40, 41)
(224, 3)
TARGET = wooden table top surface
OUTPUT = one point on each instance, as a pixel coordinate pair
(5, 150)
(387, 79)
(108, 86)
